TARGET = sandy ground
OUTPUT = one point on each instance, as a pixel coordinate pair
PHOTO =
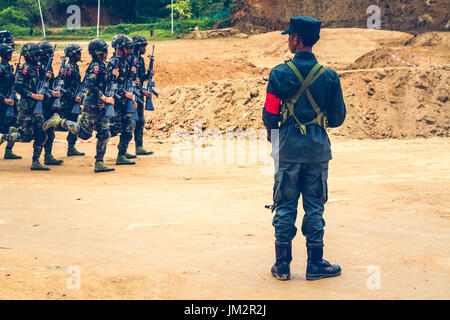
(163, 230)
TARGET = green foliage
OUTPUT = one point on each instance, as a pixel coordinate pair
(13, 16)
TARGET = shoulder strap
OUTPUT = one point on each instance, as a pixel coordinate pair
(313, 75)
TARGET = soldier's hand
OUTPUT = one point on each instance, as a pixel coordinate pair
(135, 104)
(153, 72)
(37, 96)
(78, 100)
(129, 95)
(115, 72)
(49, 74)
(56, 94)
(107, 100)
(9, 102)
(133, 69)
(138, 81)
(147, 94)
(63, 72)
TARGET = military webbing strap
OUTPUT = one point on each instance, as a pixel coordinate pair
(313, 75)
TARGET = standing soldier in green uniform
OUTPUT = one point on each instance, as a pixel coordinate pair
(123, 122)
(140, 44)
(94, 111)
(47, 51)
(30, 123)
(306, 98)
(72, 81)
(7, 79)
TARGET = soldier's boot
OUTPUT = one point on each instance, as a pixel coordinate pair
(49, 160)
(283, 253)
(317, 267)
(36, 165)
(9, 155)
(101, 167)
(72, 151)
(130, 156)
(140, 151)
(122, 160)
(53, 122)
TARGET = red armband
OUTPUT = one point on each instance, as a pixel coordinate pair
(272, 104)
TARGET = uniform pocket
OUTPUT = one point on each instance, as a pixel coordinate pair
(277, 187)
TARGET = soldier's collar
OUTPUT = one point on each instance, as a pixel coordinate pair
(305, 56)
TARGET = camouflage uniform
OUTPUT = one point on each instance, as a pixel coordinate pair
(72, 80)
(123, 122)
(7, 120)
(47, 104)
(93, 116)
(30, 125)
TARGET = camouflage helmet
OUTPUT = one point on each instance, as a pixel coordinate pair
(5, 49)
(45, 47)
(31, 49)
(72, 50)
(96, 46)
(139, 40)
(119, 41)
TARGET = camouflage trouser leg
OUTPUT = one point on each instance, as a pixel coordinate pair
(93, 118)
(48, 146)
(72, 138)
(139, 131)
(128, 126)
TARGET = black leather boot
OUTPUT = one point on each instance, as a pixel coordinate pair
(283, 253)
(317, 267)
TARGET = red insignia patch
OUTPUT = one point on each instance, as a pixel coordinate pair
(96, 69)
(69, 72)
(24, 70)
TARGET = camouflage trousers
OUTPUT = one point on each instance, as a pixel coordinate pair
(6, 123)
(140, 123)
(66, 113)
(31, 127)
(124, 124)
(92, 118)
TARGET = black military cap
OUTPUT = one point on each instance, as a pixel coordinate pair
(307, 27)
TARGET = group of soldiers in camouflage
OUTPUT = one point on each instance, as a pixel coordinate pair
(24, 124)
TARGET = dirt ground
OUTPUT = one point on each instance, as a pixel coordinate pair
(164, 230)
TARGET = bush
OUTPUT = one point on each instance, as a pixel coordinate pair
(13, 16)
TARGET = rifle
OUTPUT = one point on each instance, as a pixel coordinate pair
(131, 86)
(58, 84)
(80, 92)
(111, 89)
(43, 85)
(151, 83)
(12, 93)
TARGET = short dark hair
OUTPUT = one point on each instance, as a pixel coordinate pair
(307, 41)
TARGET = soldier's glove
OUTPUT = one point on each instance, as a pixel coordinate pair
(9, 102)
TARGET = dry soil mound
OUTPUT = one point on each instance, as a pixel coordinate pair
(385, 103)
